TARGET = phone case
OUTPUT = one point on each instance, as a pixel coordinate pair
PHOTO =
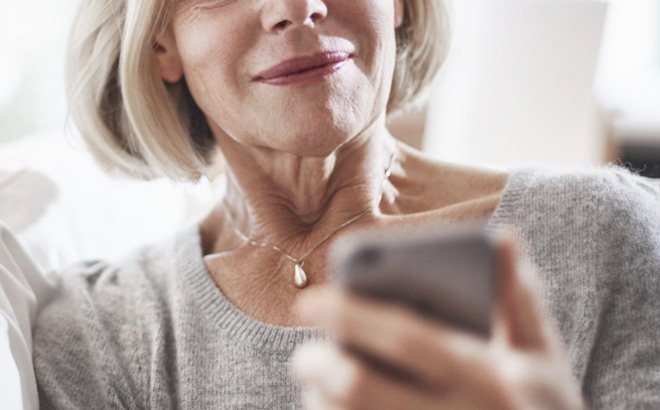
(444, 272)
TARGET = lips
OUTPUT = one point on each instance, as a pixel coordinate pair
(317, 65)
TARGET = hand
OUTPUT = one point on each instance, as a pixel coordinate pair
(522, 366)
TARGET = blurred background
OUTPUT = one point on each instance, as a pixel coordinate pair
(556, 82)
(33, 35)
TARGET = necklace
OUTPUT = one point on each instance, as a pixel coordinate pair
(299, 275)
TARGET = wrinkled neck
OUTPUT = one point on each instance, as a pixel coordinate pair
(289, 200)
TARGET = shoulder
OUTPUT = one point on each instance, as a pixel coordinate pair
(610, 181)
(112, 288)
(100, 329)
(590, 233)
(593, 237)
(87, 336)
(446, 189)
(605, 215)
(602, 198)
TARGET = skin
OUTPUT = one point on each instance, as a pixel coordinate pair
(291, 180)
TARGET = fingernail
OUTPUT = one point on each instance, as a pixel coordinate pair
(306, 360)
(312, 398)
(324, 367)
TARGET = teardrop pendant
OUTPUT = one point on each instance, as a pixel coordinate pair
(300, 277)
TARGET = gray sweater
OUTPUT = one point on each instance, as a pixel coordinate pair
(153, 331)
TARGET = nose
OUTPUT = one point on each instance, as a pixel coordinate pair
(283, 15)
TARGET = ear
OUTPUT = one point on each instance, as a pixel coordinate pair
(166, 54)
(398, 13)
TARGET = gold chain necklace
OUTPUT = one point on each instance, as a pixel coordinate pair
(300, 277)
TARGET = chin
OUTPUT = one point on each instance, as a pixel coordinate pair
(312, 143)
(318, 132)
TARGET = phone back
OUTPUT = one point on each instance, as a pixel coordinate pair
(447, 273)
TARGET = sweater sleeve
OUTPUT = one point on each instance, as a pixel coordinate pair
(623, 370)
(80, 340)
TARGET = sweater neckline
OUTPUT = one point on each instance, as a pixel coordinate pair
(235, 323)
(221, 312)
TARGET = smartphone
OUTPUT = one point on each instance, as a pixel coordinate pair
(444, 271)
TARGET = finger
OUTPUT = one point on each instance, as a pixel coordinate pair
(343, 381)
(314, 399)
(463, 398)
(422, 348)
(519, 314)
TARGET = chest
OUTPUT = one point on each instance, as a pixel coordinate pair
(224, 370)
(261, 282)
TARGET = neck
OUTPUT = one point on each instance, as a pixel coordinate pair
(291, 200)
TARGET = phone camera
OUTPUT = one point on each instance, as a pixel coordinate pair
(368, 256)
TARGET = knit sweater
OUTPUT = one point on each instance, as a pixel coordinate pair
(154, 331)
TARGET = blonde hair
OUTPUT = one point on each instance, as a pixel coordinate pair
(136, 124)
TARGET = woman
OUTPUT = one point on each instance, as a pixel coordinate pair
(295, 94)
